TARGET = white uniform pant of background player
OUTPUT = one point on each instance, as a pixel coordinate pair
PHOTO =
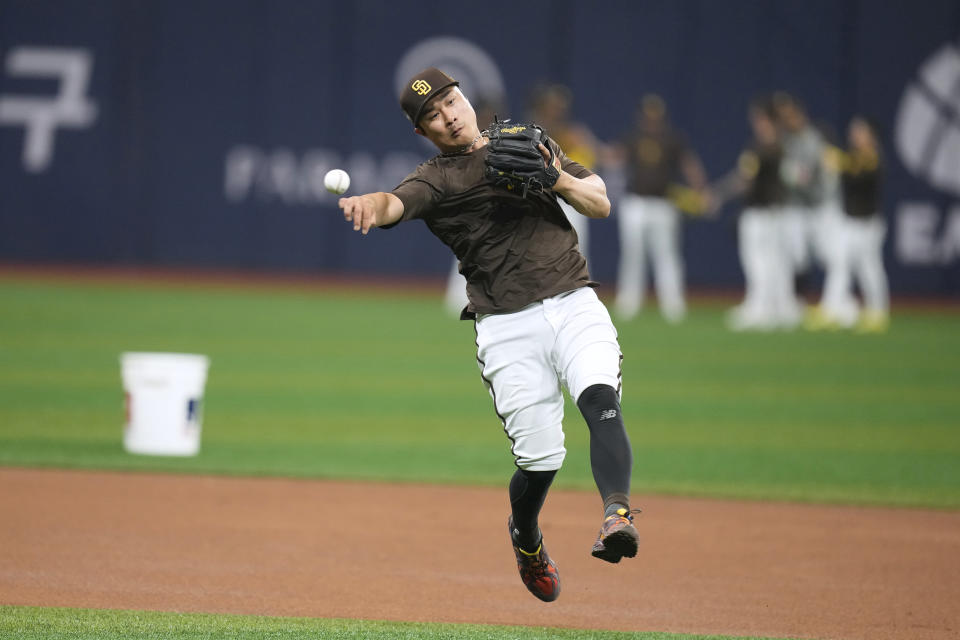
(580, 224)
(456, 296)
(812, 236)
(527, 358)
(769, 299)
(861, 259)
(815, 237)
(649, 227)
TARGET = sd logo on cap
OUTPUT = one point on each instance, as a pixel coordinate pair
(422, 88)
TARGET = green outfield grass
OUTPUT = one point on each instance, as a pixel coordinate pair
(30, 623)
(317, 382)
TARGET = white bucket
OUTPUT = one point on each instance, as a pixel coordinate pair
(164, 398)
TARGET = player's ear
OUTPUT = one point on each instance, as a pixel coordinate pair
(419, 132)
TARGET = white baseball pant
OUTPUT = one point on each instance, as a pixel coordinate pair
(649, 226)
(528, 357)
(861, 259)
(769, 301)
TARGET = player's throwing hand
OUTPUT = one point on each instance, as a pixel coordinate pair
(361, 211)
(371, 210)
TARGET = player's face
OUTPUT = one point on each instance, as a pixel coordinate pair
(860, 135)
(554, 108)
(449, 121)
(763, 126)
(792, 118)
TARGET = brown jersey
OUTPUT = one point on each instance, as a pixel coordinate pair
(861, 184)
(513, 251)
(759, 166)
(654, 159)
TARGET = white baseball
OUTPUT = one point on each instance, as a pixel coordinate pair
(336, 181)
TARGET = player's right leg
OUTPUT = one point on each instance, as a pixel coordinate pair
(513, 355)
(538, 571)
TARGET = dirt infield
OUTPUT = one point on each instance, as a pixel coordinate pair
(425, 553)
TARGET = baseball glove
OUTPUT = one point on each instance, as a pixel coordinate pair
(514, 159)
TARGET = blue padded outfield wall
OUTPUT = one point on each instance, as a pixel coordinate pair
(196, 134)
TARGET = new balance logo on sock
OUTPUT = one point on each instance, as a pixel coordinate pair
(608, 413)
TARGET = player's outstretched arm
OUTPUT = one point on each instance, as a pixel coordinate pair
(371, 210)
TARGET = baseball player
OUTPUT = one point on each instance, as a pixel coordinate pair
(648, 220)
(550, 107)
(860, 237)
(768, 300)
(539, 325)
(813, 208)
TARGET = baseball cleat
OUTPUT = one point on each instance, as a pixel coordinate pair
(537, 571)
(618, 537)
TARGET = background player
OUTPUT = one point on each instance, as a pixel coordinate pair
(768, 301)
(657, 156)
(860, 237)
(539, 325)
(550, 107)
(813, 209)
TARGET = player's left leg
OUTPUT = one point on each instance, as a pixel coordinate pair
(611, 456)
(611, 459)
(588, 359)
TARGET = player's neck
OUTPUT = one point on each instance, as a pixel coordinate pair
(473, 145)
(477, 142)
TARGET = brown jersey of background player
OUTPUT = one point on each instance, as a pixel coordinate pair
(861, 173)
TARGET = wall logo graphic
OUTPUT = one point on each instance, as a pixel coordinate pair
(41, 116)
(927, 139)
(281, 175)
(927, 133)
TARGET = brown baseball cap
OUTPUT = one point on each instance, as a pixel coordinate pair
(421, 89)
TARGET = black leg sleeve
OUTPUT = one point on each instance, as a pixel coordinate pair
(528, 490)
(611, 457)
